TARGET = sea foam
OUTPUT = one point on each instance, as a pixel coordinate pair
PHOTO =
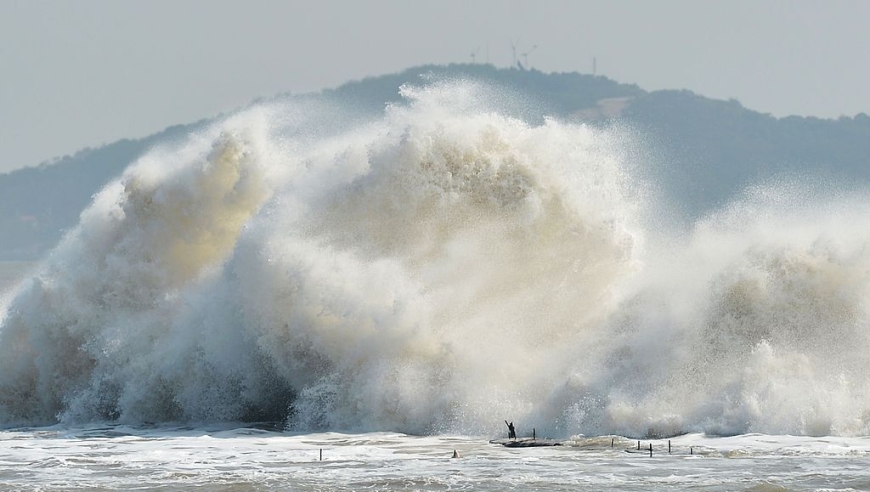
(439, 268)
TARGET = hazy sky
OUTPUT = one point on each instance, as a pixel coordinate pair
(85, 73)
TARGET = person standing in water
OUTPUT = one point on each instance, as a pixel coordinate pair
(512, 432)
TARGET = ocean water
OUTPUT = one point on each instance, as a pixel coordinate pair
(431, 272)
(215, 457)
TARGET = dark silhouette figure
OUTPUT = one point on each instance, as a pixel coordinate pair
(512, 433)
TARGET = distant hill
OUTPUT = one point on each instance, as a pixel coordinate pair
(37, 204)
(715, 148)
(556, 94)
(706, 150)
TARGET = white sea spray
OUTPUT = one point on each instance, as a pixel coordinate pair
(439, 269)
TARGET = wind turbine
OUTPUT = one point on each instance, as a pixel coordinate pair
(514, 50)
(526, 56)
(474, 54)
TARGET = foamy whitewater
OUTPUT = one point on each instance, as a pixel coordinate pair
(432, 272)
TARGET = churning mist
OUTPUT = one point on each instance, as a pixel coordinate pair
(438, 269)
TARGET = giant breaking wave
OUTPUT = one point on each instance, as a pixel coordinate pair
(439, 269)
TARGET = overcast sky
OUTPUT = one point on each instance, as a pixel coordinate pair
(85, 73)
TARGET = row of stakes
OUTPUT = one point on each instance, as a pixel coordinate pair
(613, 442)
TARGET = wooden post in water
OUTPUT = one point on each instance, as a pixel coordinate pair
(650, 450)
(691, 450)
(611, 441)
(638, 445)
(533, 434)
(321, 454)
(669, 446)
